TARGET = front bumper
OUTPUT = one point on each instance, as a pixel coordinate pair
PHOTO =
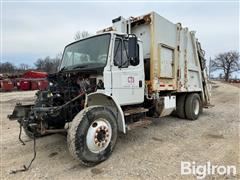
(20, 111)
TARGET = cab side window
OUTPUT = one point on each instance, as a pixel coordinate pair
(117, 52)
(125, 56)
(121, 53)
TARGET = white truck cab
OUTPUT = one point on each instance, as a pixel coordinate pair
(138, 69)
(124, 79)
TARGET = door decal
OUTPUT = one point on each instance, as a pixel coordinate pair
(131, 80)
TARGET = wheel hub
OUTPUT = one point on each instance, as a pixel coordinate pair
(196, 107)
(99, 135)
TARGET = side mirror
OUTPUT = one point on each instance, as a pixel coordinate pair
(133, 51)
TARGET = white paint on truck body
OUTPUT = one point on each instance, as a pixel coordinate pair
(168, 106)
(172, 54)
(172, 50)
(125, 82)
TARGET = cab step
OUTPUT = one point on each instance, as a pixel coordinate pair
(141, 123)
(134, 111)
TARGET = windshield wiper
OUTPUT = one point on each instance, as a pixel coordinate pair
(79, 66)
(74, 67)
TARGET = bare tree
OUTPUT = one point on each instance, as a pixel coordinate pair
(228, 62)
(56, 62)
(7, 67)
(49, 65)
(44, 64)
(23, 67)
(40, 64)
(81, 35)
(210, 68)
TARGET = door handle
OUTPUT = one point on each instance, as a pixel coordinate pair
(140, 83)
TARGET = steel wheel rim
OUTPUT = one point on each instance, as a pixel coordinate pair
(196, 107)
(99, 135)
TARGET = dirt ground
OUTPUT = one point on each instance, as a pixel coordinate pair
(154, 152)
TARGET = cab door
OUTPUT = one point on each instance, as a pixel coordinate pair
(127, 80)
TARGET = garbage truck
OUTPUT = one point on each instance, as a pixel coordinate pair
(139, 69)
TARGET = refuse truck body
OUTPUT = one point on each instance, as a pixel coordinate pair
(137, 70)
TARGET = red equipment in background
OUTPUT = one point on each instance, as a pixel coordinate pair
(42, 84)
(24, 85)
(29, 80)
(36, 80)
(34, 74)
(34, 84)
(6, 85)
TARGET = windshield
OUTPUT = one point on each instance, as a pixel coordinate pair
(87, 52)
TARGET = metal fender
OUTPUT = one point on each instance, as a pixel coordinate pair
(99, 98)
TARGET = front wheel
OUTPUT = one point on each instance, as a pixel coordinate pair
(92, 135)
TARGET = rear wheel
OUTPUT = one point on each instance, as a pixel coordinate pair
(92, 135)
(193, 106)
(180, 108)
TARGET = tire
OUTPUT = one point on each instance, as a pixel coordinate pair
(193, 106)
(92, 135)
(180, 108)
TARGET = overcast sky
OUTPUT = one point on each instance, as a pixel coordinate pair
(33, 30)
